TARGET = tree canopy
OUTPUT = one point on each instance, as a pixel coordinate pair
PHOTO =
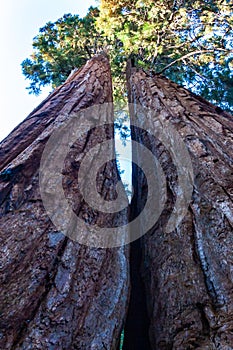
(190, 42)
(59, 48)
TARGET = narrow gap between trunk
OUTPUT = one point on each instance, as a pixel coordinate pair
(135, 335)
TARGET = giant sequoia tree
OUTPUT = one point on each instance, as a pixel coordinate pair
(59, 294)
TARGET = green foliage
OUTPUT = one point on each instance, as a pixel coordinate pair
(60, 47)
(188, 41)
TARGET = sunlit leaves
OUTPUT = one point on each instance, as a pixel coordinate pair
(190, 41)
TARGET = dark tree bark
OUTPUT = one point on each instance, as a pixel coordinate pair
(187, 272)
(56, 293)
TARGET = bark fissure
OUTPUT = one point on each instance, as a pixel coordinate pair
(49, 281)
(205, 265)
(137, 321)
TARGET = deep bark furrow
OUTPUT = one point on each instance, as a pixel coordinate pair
(49, 280)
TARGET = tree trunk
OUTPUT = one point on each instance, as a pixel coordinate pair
(55, 292)
(187, 271)
(59, 294)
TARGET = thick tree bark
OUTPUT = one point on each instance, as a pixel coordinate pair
(56, 293)
(187, 272)
(59, 294)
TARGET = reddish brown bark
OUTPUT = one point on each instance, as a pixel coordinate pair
(187, 272)
(56, 293)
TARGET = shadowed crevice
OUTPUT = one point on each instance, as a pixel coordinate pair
(137, 322)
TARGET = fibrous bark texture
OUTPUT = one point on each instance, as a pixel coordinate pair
(56, 293)
(187, 272)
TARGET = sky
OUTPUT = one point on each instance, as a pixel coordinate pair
(19, 24)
